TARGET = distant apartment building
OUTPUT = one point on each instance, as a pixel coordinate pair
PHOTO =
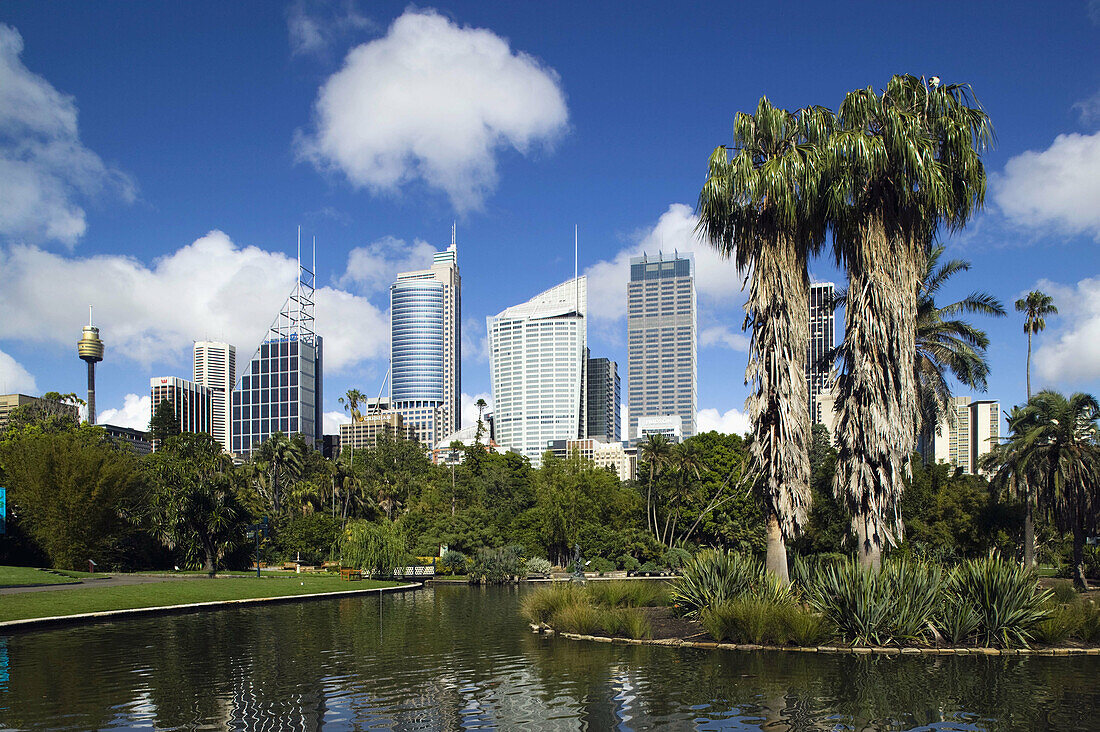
(141, 443)
(365, 433)
(976, 431)
(426, 346)
(662, 347)
(537, 364)
(216, 369)
(822, 340)
(604, 397)
(191, 403)
(443, 453)
(669, 426)
(11, 402)
(613, 456)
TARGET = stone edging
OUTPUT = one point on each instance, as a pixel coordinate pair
(856, 650)
(33, 623)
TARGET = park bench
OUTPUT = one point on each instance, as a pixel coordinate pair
(351, 575)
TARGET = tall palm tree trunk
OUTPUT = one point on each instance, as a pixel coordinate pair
(778, 400)
(877, 400)
(1029, 534)
(1028, 369)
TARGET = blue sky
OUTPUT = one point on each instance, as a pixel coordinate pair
(157, 158)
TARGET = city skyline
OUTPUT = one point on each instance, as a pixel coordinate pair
(178, 227)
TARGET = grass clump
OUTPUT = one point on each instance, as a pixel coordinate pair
(540, 605)
(577, 617)
(1064, 592)
(625, 623)
(627, 593)
(761, 621)
(712, 578)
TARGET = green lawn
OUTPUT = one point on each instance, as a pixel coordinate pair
(170, 592)
(21, 576)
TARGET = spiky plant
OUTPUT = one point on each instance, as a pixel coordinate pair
(902, 164)
(761, 207)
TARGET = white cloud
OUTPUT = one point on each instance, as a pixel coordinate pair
(14, 379)
(210, 288)
(1071, 355)
(134, 413)
(333, 420)
(44, 168)
(1094, 11)
(721, 335)
(1089, 109)
(1057, 188)
(313, 27)
(731, 422)
(469, 407)
(433, 101)
(374, 267)
(716, 278)
(475, 341)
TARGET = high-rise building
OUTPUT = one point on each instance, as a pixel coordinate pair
(669, 426)
(281, 389)
(191, 403)
(976, 431)
(426, 346)
(662, 340)
(537, 363)
(822, 340)
(603, 399)
(216, 369)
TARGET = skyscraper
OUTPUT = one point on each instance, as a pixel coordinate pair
(603, 398)
(822, 340)
(190, 402)
(216, 369)
(976, 431)
(426, 346)
(281, 388)
(662, 340)
(537, 363)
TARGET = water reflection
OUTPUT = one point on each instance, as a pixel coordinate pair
(458, 658)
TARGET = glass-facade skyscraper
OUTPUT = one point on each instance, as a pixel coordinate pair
(603, 398)
(426, 347)
(822, 340)
(662, 346)
(537, 365)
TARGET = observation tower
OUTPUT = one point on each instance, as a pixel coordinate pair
(90, 349)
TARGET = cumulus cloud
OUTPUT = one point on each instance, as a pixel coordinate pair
(14, 379)
(731, 422)
(315, 26)
(151, 313)
(1057, 188)
(45, 171)
(1071, 355)
(475, 341)
(721, 335)
(716, 278)
(1089, 109)
(333, 420)
(469, 407)
(433, 101)
(374, 267)
(134, 413)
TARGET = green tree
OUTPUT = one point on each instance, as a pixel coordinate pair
(164, 423)
(829, 524)
(901, 164)
(74, 492)
(1036, 306)
(655, 451)
(351, 401)
(376, 548)
(278, 463)
(195, 507)
(481, 405)
(1014, 474)
(762, 207)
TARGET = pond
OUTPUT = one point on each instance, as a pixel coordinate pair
(453, 657)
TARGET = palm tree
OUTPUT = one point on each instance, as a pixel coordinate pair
(1012, 473)
(656, 451)
(687, 460)
(1037, 305)
(902, 164)
(1055, 446)
(945, 343)
(761, 207)
(351, 401)
(281, 458)
(481, 405)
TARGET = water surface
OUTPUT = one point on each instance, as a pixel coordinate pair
(461, 658)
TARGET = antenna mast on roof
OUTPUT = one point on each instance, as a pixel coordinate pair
(576, 281)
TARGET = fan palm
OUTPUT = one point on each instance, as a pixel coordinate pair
(761, 207)
(688, 461)
(902, 164)
(1037, 305)
(281, 458)
(351, 401)
(656, 452)
(1012, 473)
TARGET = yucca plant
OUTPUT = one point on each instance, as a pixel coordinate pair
(713, 577)
(915, 590)
(957, 621)
(855, 601)
(1005, 596)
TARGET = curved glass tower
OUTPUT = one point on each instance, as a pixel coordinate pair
(417, 353)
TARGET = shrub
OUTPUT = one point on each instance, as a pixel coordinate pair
(1062, 622)
(629, 563)
(496, 566)
(854, 600)
(540, 605)
(916, 590)
(1005, 596)
(454, 562)
(755, 620)
(601, 565)
(648, 567)
(957, 620)
(538, 565)
(1088, 626)
(1064, 592)
(712, 578)
(675, 558)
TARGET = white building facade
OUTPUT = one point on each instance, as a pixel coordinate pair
(537, 365)
(216, 369)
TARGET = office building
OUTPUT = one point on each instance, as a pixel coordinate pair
(281, 389)
(669, 426)
(426, 346)
(442, 454)
(822, 340)
(216, 369)
(11, 402)
(537, 363)
(613, 456)
(364, 433)
(976, 431)
(662, 340)
(603, 400)
(190, 402)
(141, 443)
